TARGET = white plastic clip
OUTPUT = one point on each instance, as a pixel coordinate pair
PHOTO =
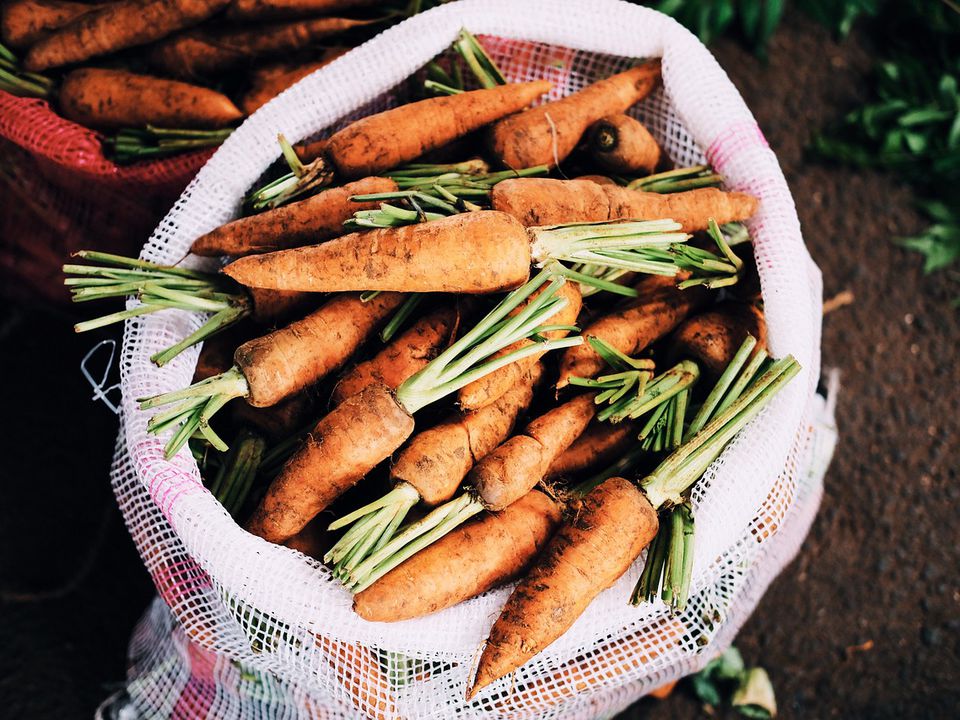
(100, 392)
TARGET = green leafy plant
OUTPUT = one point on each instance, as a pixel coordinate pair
(727, 680)
(756, 20)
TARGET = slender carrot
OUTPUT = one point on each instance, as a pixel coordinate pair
(268, 81)
(117, 98)
(283, 9)
(600, 443)
(544, 201)
(202, 53)
(24, 22)
(713, 337)
(118, 26)
(548, 133)
(315, 219)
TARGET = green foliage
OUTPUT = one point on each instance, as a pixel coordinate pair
(709, 19)
(726, 680)
(840, 15)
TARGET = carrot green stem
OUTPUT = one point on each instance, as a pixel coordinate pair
(17, 81)
(671, 181)
(132, 144)
(400, 316)
(195, 406)
(477, 59)
(236, 475)
(157, 287)
(301, 180)
(723, 383)
(469, 357)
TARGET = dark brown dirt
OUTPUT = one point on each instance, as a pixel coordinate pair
(880, 564)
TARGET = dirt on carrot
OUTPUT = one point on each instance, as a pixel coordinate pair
(713, 337)
(268, 81)
(24, 22)
(600, 443)
(623, 145)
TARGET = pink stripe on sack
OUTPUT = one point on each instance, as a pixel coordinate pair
(733, 140)
(167, 485)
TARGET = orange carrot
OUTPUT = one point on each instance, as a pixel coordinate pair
(116, 98)
(115, 27)
(24, 22)
(332, 460)
(712, 338)
(202, 53)
(515, 467)
(477, 252)
(600, 443)
(474, 558)
(544, 201)
(294, 357)
(623, 145)
(487, 389)
(658, 309)
(548, 133)
(437, 460)
(588, 554)
(266, 82)
(407, 354)
(315, 219)
(382, 141)
(275, 9)
(272, 306)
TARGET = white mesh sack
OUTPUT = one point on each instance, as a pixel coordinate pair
(247, 629)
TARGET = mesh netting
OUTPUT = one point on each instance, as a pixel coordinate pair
(64, 195)
(250, 629)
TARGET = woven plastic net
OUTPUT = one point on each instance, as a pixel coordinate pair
(244, 628)
(62, 194)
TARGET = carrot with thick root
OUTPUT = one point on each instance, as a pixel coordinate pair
(286, 9)
(268, 81)
(365, 429)
(382, 141)
(476, 557)
(429, 470)
(162, 287)
(116, 27)
(24, 22)
(623, 145)
(544, 201)
(589, 554)
(499, 479)
(116, 98)
(713, 337)
(273, 367)
(658, 309)
(315, 219)
(488, 389)
(201, 53)
(403, 357)
(548, 133)
(476, 252)
(600, 443)
(616, 521)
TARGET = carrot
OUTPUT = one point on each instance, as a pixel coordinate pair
(273, 367)
(475, 252)
(515, 467)
(116, 98)
(598, 179)
(382, 141)
(277, 421)
(480, 252)
(713, 337)
(116, 27)
(308, 152)
(429, 469)
(366, 428)
(658, 309)
(588, 554)
(600, 443)
(401, 358)
(268, 81)
(315, 219)
(613, 525)
(544, 201)
(623, 145)
(487, 389)
(474, 558)
(202, 53)
(437, 460)
(24, 22)
(272, 306)
(312, 541)
(548, 133)
(274, 9)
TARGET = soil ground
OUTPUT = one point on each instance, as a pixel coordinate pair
(880, 565)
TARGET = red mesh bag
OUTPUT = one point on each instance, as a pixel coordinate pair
(61, 194)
